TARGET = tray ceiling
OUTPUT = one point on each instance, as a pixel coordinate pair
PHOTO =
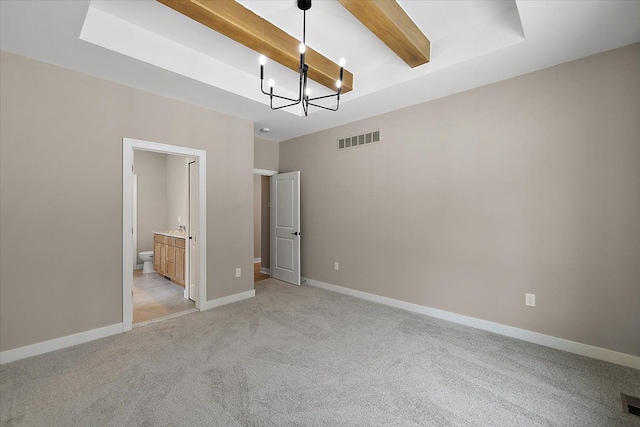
(150, 46)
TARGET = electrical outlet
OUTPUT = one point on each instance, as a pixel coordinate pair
(238, 272)
(530, 300)
(336, 265)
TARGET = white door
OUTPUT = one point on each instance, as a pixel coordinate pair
(285, 227)
(192, 287)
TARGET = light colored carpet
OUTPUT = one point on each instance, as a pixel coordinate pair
(301, 356)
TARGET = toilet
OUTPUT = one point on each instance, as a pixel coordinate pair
(147, 258)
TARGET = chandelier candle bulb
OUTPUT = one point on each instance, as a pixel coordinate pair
(302, 48)
(262, 60)
(304, 91)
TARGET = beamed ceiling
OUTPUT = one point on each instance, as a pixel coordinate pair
(398, 53)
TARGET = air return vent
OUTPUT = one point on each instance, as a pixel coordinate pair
(630, 405)
(368, 138)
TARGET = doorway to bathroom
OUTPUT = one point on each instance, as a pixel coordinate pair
(164, 239)
(161, 210)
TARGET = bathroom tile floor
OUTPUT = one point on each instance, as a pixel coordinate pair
(154, 296)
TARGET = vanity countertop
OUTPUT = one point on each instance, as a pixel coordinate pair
(175, 234)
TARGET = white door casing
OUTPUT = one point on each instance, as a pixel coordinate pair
(285, 227)
(128, 146)
(192, 283)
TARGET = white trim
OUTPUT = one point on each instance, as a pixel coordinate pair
(265, 172)
(134, 223)
(58, 343)
(265, 270)
(498, 328)
(227, 300)
(187, 245)
(257, 260)
(128, 145)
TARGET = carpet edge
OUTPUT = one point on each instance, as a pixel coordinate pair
(581, 349)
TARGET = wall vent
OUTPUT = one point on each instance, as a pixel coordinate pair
(368, 138)
(630, 405)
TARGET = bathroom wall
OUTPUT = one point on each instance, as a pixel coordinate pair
(162, 194)
(176, 188)
(151, 169)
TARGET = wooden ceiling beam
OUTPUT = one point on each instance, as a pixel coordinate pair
(235, 21)
(391, 24)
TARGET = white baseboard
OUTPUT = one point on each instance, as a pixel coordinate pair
(58, 343)
(510, 331)
(94, 334)
(265, 270)
(82, 337)
(227, 300)
(257, 260)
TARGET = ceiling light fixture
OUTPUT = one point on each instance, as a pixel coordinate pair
(304, 91)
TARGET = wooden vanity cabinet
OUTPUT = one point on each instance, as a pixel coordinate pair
(159, 254)
(169, 257)
(179, 261)
(170, 267)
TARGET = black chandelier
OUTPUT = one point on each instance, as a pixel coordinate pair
(304, 91)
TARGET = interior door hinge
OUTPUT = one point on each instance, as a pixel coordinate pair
(131, 294)
(131, 230)
(131, 168)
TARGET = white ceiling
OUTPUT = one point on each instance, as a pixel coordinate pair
(147, 45)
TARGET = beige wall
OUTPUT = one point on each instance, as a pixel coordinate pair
(257, 216)
(266, 154)
(176, 192)
(151, 169)
(61, 192)
(265, 250)
(527, 185)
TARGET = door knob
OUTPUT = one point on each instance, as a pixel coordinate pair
(296, 233)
